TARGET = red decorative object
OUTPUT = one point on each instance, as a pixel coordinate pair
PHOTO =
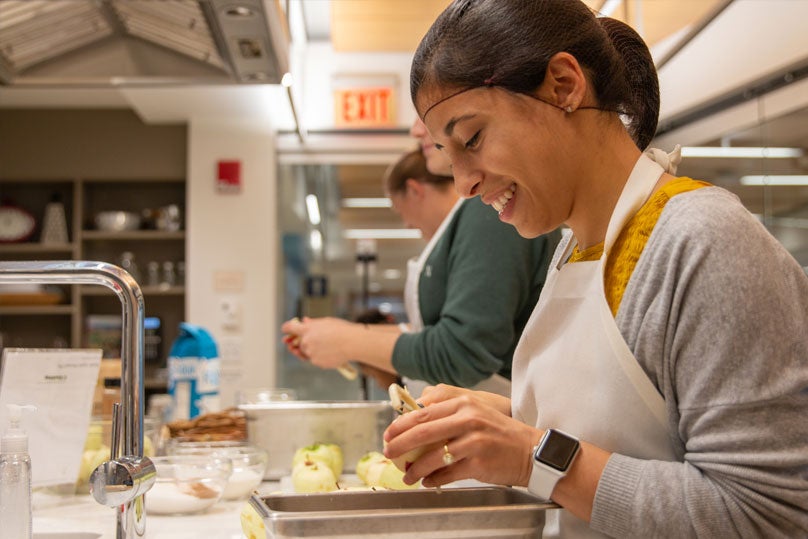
(228, 179)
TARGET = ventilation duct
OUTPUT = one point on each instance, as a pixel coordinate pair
(142, 42)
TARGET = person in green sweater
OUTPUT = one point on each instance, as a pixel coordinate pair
(468, 295)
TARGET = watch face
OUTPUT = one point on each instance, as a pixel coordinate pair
(557, 450)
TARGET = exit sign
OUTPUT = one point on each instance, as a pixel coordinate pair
(364, 107)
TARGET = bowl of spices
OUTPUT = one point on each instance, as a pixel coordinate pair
(187, 484)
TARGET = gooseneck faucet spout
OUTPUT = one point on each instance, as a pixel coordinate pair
(130, 514)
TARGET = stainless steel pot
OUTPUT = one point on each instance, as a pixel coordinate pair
(283, 427)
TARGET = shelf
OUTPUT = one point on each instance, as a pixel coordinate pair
(30, 247)
(147, 291)
(83, 198)
(37, 309)
(132, 235)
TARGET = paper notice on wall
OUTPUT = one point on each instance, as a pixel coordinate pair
(60, 383)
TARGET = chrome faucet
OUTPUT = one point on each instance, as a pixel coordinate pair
(122, 481)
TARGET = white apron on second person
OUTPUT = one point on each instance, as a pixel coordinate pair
(572, 369)
(415, 266)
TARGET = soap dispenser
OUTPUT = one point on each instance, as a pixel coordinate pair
(15, 478)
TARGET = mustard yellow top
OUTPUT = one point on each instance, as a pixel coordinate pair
(632, 239)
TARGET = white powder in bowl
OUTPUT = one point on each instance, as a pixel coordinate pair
(241, 483)
(171, 499)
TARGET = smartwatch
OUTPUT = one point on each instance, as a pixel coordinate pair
(551, 460)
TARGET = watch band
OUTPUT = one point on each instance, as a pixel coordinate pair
(551, 459)
(543, 479)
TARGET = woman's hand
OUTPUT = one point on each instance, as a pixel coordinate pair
(319, 340)
(291, 338)
(442, 392)
(485, 443)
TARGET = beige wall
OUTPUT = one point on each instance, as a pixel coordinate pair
(65, 144)
(232, 248)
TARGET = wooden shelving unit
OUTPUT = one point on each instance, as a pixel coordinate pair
(65, 323)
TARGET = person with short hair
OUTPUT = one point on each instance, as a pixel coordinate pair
(458, 333)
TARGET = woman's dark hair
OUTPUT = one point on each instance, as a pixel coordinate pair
(508, 43)
(412, 166)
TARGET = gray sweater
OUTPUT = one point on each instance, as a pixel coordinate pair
(716, 312)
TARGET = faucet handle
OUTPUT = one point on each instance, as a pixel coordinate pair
(115, 439)
(119, 481)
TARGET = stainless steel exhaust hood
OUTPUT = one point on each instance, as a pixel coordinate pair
(142, 42)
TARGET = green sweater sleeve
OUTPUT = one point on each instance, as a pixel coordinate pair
(476, 292)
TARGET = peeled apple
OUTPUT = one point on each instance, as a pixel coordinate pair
(376, 470)
(311, 476)
(326, 453)
(251, 523)
(402, 402)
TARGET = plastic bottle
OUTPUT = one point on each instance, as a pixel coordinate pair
(15, 478)
(193, 373)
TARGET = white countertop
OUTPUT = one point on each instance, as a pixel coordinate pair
(81, 517)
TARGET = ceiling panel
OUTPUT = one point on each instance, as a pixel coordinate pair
(381, 25)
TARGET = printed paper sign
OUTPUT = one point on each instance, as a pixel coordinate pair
(60, 383)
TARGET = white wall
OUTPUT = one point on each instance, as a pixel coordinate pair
(232, 248)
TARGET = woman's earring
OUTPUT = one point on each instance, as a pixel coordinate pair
(568, 109)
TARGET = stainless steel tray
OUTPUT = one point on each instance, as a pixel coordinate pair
(283, 427)
(476, 512)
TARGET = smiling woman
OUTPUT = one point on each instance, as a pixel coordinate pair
(643, 379)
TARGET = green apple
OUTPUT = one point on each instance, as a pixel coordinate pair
(392, 478)
(95, 437)
(311, 476)
(365, 462)
(251, 523)
(90, 460)
(403, 462)
(328, 454)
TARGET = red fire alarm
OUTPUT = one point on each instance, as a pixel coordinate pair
(228, 179)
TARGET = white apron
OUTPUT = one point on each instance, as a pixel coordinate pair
(415, 266)
(573, 370)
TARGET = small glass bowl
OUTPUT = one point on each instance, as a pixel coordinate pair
(187, 484)
(249, 463)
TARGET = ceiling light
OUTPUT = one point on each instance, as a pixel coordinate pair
(753, 152)
(239, 11)
(382, 233)
(366, 203)
(313, 208)
(609, 7)
(316, 240)
(775, 180)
